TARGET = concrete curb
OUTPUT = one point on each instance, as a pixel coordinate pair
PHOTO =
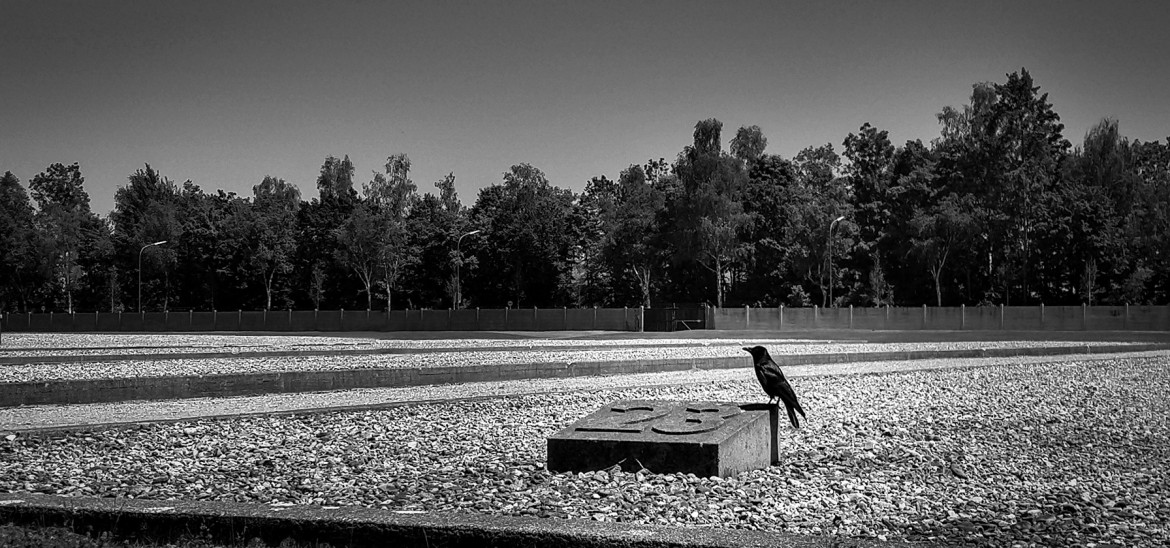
(353, 527)
(160, 388)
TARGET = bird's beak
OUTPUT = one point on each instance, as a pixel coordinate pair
(747, 349)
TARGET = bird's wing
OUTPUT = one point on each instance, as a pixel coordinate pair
(762, 376)
(770, 374)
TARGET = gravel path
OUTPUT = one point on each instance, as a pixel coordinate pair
(76, 416)
(91, 344)
(40, 372)
(1042, 452)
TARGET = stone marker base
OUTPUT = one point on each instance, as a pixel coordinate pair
(700, 438)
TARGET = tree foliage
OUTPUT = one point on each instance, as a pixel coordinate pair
(999, 208)
(527, 239)
(706, 211)
(22, 258)
(270, 231)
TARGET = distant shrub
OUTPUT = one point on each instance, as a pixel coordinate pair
(798, 298)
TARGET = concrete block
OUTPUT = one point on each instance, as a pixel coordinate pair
(701, 438)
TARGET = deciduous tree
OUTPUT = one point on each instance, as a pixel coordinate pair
(22, 266)
(527, 240)
(769, 187)
(937, 231)
(271, 231)
(358, 245)
(63, 217)
(393, 197)
(146, 210)
(708, 214)
(633, 245)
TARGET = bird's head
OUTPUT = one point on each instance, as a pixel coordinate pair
(757, 352)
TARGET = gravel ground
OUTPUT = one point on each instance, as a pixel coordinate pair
(1064, 453)
(35, 417)
(80, 370)
(89, 344)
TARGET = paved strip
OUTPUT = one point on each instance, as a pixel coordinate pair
(29, 419)
(232, 522)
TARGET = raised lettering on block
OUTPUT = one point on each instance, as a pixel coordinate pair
(704, 438)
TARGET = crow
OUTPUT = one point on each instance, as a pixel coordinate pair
(774, 384)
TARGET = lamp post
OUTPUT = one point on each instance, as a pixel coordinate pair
(140, 270)
(458, 264)
(831, 225)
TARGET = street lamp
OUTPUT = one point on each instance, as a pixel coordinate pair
(459, 263)
(831, 225)
(140, 270)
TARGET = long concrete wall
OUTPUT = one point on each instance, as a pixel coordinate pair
(1011, 318)
(524, 319)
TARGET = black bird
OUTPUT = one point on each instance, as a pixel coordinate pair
(774, 383)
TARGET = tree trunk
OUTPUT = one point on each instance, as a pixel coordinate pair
(718, 283)
(268, 290)
(316, 285)
(516, 281)
(1027, 253)
(367, 278)
(824, 291)
(1089, 281)
(644, 280)
(68, 288)
(112, 278)
(389, 293)
(937, 275)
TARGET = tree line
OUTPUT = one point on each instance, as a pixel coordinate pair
(1000, 208)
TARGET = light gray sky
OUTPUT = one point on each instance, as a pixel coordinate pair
(224, 93)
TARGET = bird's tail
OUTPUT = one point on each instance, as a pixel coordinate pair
(801, 409)
(792, 417)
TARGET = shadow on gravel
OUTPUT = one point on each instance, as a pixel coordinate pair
(840, 335)
(851, 335)
(195, 524)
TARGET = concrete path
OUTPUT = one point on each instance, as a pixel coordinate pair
(92, 416)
